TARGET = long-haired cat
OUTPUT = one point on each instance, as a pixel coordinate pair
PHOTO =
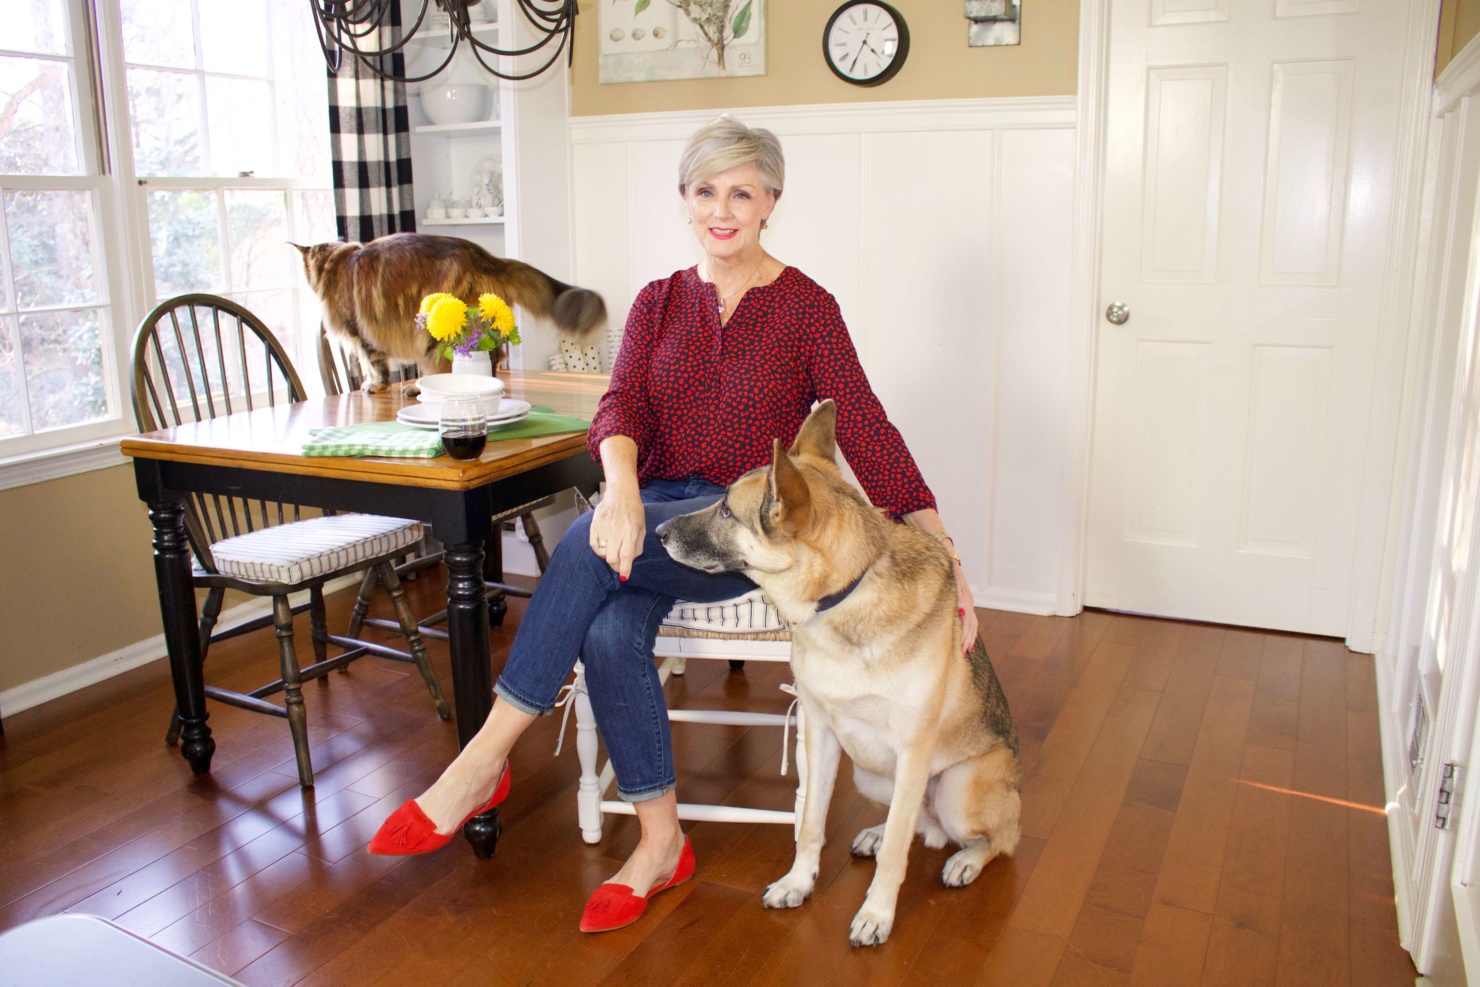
(372, 291)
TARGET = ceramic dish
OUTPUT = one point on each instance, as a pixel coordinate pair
(430, 416)
(439, 387)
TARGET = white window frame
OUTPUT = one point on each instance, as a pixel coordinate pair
(29, 458)
(126, 270)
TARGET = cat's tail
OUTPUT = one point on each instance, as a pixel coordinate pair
(579, 311)
(576, 311)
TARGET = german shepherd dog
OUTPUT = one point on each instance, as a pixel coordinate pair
(879, 669)
(372, 291)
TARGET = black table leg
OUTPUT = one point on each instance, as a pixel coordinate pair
(472, 677)
(181, 633)
(493, 572)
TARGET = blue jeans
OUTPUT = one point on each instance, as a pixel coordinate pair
(581, 610)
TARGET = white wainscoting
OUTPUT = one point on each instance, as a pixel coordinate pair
(945, 230)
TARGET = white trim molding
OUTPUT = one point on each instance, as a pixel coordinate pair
(837, 118)
(1427, 623)
(1460, 78)
(53, 464)
(100, 669)
(1094, 62)
(1382, 486)
(1036, 604)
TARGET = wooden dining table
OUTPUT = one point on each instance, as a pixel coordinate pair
(258, 454)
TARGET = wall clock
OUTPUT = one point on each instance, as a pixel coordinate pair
(865, 42)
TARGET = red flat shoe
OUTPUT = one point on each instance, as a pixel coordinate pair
(408, 830)
(614, 906)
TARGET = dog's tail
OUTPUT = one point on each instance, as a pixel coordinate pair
(577, 311)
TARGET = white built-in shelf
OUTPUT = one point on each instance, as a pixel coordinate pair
(479, 221)
(427, 34)
(478, 128)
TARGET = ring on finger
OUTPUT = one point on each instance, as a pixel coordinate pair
(601, 543)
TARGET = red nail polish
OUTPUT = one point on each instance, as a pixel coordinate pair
(960, 611)
(622, 578)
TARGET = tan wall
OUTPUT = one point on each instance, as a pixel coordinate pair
(78, 579)
(1459, 22)
(940, 65)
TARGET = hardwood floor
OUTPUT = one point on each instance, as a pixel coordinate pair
(1201, 805)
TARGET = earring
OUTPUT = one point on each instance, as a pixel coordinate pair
(764, 224)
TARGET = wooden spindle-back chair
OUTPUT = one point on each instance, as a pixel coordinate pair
(197, 357)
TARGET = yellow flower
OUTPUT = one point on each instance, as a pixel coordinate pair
(430, 300)
(446, 317)
(496, 312)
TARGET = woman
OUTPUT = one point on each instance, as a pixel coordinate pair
(717, 360)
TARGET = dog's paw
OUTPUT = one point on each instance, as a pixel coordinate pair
(867, 842)
(370, 387)
(961, 868)
(410, 389)
(789, 892)
(871, 926)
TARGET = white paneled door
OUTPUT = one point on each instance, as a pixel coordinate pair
(1249, 168)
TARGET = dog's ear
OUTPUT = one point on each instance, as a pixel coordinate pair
(299, 247)
(818, 434)
(790, 500)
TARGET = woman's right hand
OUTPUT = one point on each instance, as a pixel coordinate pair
(619, 524)
(618, 528)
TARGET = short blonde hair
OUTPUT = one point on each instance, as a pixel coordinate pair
(725, 144)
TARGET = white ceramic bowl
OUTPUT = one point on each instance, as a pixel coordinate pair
(436, 388)
(491, 402)
(455, 102)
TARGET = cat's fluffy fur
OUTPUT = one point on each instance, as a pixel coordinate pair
(372, 291)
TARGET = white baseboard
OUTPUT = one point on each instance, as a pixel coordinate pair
(1037, 604)
(69, 680)
(518, 560)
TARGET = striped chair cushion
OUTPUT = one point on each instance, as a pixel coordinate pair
(321, 546)
(742, 615)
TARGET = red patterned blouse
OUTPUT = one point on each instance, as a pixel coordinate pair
(705, 400)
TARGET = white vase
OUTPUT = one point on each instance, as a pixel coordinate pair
(477, 362)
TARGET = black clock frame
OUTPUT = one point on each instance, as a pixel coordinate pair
(901, 53)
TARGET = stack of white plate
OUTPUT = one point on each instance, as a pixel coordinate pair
(428, 415)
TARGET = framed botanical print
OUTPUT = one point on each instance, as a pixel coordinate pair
(657, 40)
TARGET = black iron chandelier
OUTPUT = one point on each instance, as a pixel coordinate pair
(354, 28)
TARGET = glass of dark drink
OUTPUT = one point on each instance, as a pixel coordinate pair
(464, 427)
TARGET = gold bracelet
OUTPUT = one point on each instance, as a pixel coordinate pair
(941, 537)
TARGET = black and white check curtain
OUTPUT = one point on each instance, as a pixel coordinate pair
(370, 140)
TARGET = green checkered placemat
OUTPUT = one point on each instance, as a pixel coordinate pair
(374, 439)
(395, 439)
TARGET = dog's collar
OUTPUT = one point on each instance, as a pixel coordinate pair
(833, 599)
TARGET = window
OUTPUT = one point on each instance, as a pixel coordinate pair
(230, 138)
(58, 370)
(209, 156)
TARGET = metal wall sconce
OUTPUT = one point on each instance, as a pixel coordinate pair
(994, 22)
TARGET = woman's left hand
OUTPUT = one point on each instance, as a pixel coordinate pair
(967, 606)
(928, 521)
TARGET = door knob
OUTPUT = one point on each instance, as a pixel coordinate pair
(1117, 314)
